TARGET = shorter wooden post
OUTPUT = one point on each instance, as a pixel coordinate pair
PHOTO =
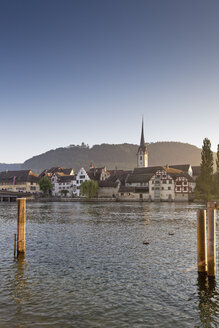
(211, 240)
(201, 242)
(21, 218)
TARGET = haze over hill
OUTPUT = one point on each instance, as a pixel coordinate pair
(120, 156)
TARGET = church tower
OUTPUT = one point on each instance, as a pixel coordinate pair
(142, 154)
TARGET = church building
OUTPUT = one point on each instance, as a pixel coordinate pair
(142, 154)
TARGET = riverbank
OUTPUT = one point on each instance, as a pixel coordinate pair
(100, 200)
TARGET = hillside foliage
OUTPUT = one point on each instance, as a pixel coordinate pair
(120, 156)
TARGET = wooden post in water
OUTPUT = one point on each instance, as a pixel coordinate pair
(15, 239)
(201, 242)
(21, 225)
(211, 240)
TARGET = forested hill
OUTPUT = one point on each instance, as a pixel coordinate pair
(122, 156)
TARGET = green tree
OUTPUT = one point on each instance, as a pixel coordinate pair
(216, 177)
(89, 188)
(45, 185)
(205, 181)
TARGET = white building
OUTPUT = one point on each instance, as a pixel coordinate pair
(79, 179)
(158, 184)
(62, 185)
(68, 185)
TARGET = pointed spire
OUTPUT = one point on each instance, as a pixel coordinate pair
(142, 143)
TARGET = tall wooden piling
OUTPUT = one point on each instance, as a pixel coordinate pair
(21, 218)
(201, 241)
(211, 240)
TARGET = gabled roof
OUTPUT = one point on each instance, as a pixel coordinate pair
(107, 184)
(147, 170)
(55, 169)
(50, 171)
(181, 167)
(18, 176)
(138, 178)
(95, 172)
(66, 178)
(67, 171)
(181, 175)
(119, 175)
(140, 173)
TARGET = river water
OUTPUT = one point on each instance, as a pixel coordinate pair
(86, 266)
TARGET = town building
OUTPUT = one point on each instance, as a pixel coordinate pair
(81, 177)
(56, 169)
(98, 173)
(19, 181)
(62, 184)
(68, 185)
(158, 183)
(108, 189)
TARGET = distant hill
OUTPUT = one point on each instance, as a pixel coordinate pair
(122, 156)
(9, 167)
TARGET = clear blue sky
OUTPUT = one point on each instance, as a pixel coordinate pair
(87, 70)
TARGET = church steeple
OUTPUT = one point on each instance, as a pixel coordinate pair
(142, 155)
(142, 143)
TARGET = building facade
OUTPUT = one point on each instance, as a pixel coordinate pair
(20, 181)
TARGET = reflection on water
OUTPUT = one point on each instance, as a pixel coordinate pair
(208, 300)
(19, 290)
(86, 266)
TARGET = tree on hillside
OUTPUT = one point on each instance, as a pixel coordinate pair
(89, 188)
(45, 185)
(205, 181)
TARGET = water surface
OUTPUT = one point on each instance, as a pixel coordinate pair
(86, 266)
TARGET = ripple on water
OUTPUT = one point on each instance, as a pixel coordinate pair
(86, 266)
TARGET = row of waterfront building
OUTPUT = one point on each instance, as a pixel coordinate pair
(160, 183)
(157, 183)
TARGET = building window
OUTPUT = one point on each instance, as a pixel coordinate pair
(82, 176)
(164, 181)
(169, 188)
(152, 188)
(170, 181)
